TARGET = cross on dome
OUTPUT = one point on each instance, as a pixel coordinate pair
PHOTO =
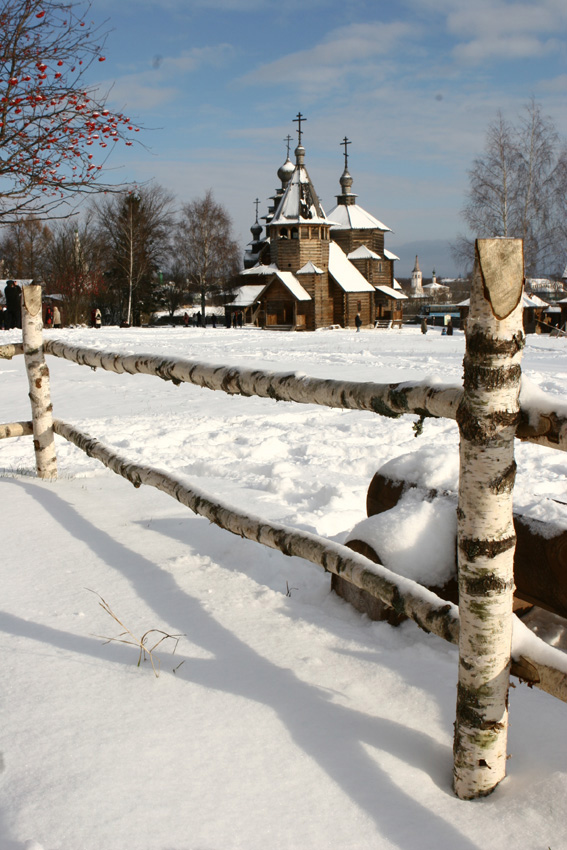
(299, 119)
(344, 143)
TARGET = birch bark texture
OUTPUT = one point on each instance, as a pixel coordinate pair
(38, 380)
(488, 418)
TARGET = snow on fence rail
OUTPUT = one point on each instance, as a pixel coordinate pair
(544, 427)
(494, 344)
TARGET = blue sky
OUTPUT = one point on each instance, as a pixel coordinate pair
(413, 84)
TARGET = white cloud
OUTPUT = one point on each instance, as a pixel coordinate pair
(497, 29)
(353, 49)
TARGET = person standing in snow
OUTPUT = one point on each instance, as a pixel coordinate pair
(424, 325)
(13, 294)
(358, 322)
(56, 317)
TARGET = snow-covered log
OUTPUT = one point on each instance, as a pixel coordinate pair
(392, 400)
(10, 350)
(16, 429)
(425, 608)
(429, 611)
(487, 417)
(38, 380)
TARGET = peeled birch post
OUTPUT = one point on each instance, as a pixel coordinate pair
(38, 379)
(488, 417)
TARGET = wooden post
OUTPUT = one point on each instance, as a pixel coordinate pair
(38, 379)
(488, 417)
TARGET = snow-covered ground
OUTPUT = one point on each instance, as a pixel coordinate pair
(285, 720)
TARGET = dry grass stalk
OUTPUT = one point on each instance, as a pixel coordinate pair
(140, 643)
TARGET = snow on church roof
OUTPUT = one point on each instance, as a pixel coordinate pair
(344, 273)
(247, 295)
(288, 279)
(391, 293)
(260, 268)
(353, 217)
(310, 268)
(363, 253)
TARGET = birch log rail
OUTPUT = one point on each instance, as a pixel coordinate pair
(392, 400)
(429, 611)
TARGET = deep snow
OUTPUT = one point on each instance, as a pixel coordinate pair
(292, 721)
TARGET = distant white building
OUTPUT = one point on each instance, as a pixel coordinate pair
(416, 280)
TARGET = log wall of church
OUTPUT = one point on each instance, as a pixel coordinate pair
(292, 254)
(350, 240)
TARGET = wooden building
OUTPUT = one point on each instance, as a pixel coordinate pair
(312, 270)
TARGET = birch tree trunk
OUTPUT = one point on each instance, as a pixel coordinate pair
(38, 379)
(488, 417)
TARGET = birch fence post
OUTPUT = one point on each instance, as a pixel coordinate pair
(488, 417)
(38, 379)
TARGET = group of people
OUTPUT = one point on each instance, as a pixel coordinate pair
(52, 316)
(196, 320)
(11, 315)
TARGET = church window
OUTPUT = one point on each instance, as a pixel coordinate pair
(294, 233)
(283, 233)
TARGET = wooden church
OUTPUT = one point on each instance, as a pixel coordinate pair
(312, 270)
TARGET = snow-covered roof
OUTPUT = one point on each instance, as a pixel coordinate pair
(247, 295)
(390, 255)
(392, 293)
(363, 253)
(396, 285)
(353, 217)
(288, 279)
(260, 268)
(434, 286)
(539, 302)
(344, 273)
(300, 203)
(310, 268)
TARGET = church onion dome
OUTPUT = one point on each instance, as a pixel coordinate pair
(346, 183)
(256, 230)
(285, 171)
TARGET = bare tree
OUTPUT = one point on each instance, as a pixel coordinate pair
(55, 131)
(23, 247)
(515, 189)
(206, 247)
(173, 290)
(135, 230)
(73, 267)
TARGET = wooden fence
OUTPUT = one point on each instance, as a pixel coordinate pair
(486, 370)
